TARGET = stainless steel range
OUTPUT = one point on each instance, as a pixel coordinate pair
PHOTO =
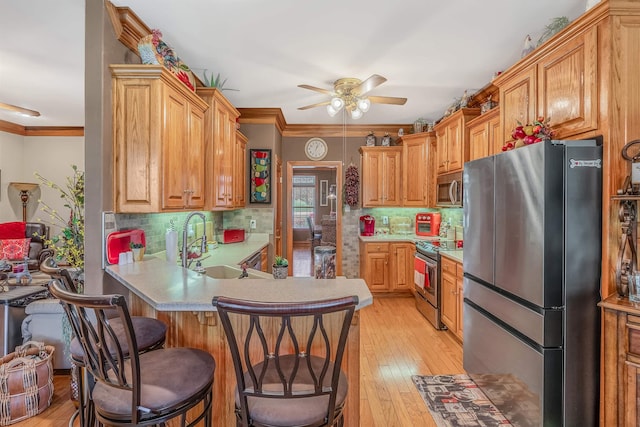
(427, 281)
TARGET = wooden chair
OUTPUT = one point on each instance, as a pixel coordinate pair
(287, 359)
(134, 388)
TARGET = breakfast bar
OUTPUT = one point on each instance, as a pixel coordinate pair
(182, 299)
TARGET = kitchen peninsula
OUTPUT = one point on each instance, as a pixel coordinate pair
(182, 299)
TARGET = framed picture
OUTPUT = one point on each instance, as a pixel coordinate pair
(260, 176)
(324, 191)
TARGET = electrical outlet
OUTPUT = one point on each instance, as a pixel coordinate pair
(252, 224)
(385, 220)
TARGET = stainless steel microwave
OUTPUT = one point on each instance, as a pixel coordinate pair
(449, 190)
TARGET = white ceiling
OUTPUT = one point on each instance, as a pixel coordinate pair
(429, 50)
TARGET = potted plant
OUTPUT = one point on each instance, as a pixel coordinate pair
(138, 251)
(280, 268)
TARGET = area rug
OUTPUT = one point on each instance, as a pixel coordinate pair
(456, 401)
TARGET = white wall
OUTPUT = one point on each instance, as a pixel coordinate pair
(21, 157)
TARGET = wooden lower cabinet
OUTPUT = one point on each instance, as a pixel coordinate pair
(620, 363)
(264, 260)
(451, 292)
(387, 267)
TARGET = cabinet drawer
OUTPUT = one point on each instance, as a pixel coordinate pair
(448, 266)
(633, 328)
(377, 247)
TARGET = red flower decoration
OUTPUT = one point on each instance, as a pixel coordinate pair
(530, 133)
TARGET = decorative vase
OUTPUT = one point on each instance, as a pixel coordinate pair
(370, 139)
(280, 271)
(386, 140)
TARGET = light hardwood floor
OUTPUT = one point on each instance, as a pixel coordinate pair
(396, 342)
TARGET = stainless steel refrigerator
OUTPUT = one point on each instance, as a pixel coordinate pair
(532, 257)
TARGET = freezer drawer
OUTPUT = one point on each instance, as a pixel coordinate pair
(512, 373)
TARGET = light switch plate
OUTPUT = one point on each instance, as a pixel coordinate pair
(253, 224)
(385, 220)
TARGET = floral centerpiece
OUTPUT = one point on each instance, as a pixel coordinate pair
(69, 242)
(539, 130)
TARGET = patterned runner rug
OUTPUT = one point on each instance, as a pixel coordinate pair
(456, 401)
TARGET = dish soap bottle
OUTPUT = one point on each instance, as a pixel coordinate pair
(171, 240)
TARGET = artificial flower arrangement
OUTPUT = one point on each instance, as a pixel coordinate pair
(530, 133)
(69, 242)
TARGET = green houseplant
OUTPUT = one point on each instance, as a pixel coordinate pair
(138, 250)
(280, 268)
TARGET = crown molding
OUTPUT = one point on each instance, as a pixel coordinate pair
(274, 116)
(129, 28)
(41, 130)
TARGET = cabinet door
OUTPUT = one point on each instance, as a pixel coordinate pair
(377, 274)
(414, 172)
(479, 141)
(495, 135)
(631, 394)
(455, 155)
(174, 191)
(441, 151)
(372, 180)
(449, 313)
(391, 178)
(401, 271)
(239, 171)
(568, 91)
(432, 171)
(518, 101)
(194, 176)
(221, 161)
(459, 300)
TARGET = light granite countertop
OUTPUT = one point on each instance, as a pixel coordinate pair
(397, 238)
(454, 255)
(167, 287)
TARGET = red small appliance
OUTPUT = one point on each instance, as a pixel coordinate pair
(428, 223)
(367, 225)
(233, 235)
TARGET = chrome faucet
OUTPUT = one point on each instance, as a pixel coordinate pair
(185, 245)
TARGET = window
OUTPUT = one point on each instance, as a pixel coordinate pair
(304, 199)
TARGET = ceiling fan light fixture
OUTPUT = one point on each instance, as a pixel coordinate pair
(364, 104)
(332, 111)
(356, 113)
(337, 103)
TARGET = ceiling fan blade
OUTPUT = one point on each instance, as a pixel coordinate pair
(374, 81)
(319, 104)
(24, 111)
(387, 100)
(317, 89)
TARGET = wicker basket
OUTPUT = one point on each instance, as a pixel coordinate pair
(26, 382)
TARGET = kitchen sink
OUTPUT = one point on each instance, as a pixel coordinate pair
(231, 272)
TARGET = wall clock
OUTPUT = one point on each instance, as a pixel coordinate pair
(316, 149)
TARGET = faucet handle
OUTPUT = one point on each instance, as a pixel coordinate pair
(199, 268)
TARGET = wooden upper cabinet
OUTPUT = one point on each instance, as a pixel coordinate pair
(568, 85)
(452, 140)
(381, 176)
(485, 136)
(220, 146)
(415, 170)
(240, 170)
(517, 101)
(158, 141)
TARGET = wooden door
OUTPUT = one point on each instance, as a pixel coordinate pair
(220, 164)
(495, 134)
(568, 85)
(194, 158)
(401, 269)
(173, 166)
(372, 178)
(441, 151)
(414, 171)
(277, 228)
(518, 101)
(449, 313)
(391, 178)
(478, 140)
(455, 141)
(377, 272)
(239, 170)
(459, 300)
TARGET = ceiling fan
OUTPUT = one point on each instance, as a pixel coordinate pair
(19, 110)
(350, 93)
